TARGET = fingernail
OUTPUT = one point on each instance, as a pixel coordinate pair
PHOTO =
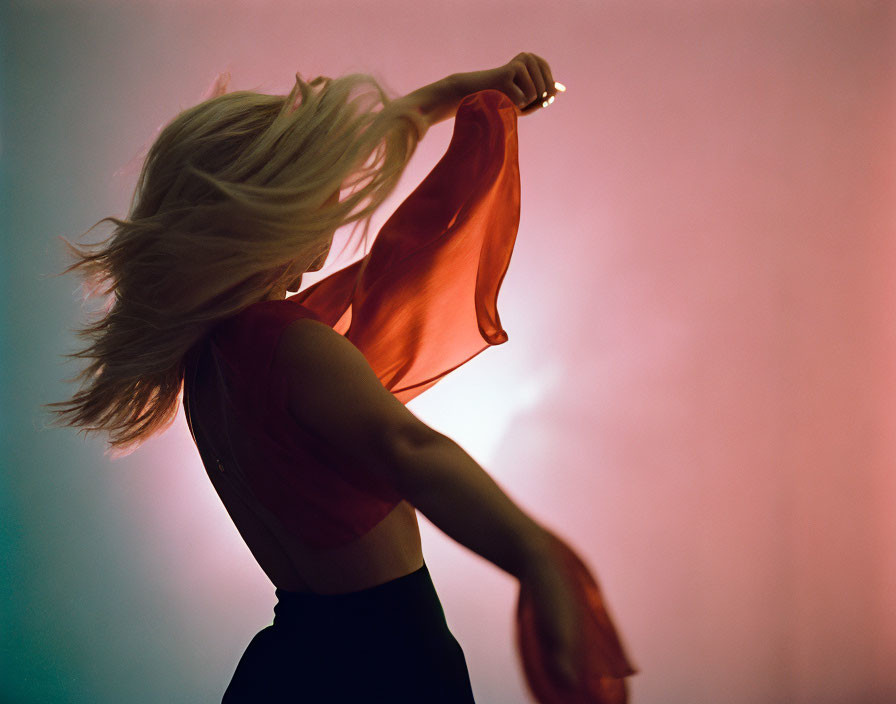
(545, 104)
(550, 100)
(544, 95)
(559, 86)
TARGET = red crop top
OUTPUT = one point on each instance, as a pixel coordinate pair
(420, 304)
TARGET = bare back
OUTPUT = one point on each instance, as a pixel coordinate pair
(391, 549)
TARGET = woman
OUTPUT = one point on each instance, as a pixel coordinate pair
(297, 404)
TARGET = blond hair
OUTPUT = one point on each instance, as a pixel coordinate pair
(232, 196)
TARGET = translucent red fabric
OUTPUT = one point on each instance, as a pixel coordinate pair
(604, 665)
(420, 304)
(424, 300)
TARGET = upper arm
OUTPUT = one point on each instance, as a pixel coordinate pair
(333, 392)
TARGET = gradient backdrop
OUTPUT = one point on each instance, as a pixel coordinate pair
(699, 389)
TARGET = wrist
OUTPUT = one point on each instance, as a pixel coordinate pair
(538, 553)
(471, 82)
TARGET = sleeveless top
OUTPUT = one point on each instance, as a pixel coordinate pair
(420, 304)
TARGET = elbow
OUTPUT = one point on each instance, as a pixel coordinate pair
(408, 451)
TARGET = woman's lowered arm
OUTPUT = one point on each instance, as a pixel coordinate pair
(454, 492)
(333, 392)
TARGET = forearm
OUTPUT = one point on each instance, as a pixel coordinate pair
(439, 101)
(448, 487)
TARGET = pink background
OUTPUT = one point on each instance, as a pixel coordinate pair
(698, 387)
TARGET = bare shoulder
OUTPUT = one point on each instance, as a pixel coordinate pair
(309, 347)
(303, 335)
(333, 391)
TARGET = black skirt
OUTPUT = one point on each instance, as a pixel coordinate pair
(389, 643)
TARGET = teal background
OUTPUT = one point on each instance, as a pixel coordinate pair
(697, 390)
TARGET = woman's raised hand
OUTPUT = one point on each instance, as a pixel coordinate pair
(526, 79)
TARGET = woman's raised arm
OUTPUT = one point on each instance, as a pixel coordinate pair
(526, 79)
(438, 101)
